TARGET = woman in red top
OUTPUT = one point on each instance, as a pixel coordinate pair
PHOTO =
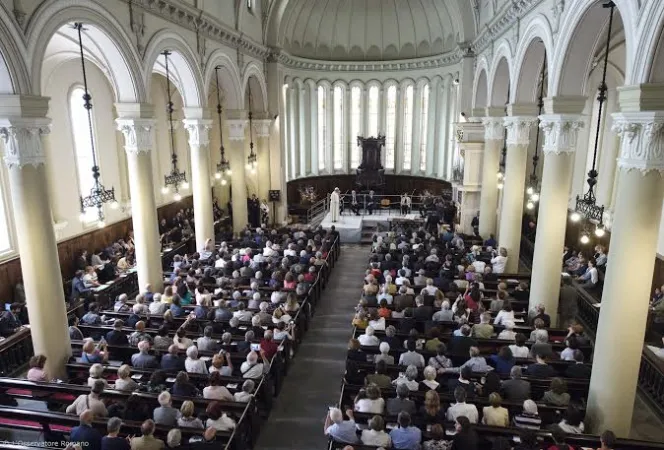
(384, 311)
(473, 297)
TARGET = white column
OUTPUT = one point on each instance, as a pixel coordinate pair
(432, 130)
(417, 121)
(560, 137)
(511, 213)
(365, 111)
(329, 154)
(398, 137)
(470, 136)
(304, 140)
(40, 267)
(238, 183)
(313, 100)
(138, 146)
(262, 149)
(452, 117)
(441, 125)
(493, 139)
(624, 306)
(348, 140)
(294, 121)
(381, 119)
(198, 130)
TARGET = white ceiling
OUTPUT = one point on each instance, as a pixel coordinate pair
(371, 30)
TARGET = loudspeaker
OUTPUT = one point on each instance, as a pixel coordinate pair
(275, 195)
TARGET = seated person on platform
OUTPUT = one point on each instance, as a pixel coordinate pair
(590, 277)
(515, 389)
(461, 408)
(557, 394)
(578, 369)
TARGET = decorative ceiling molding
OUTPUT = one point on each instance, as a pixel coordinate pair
(503, 20)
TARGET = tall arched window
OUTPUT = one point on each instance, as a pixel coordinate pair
(373, 112)
(82, 146)
(355, 118)
(338, 127)
(423, 127)
(322, 128)
(407, 127)
(390, 126)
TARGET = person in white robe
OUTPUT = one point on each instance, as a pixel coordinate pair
(334, 204)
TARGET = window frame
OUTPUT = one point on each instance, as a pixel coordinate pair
(424, 125)
(355, 125)
(390, 163)
(322, 127)
(339, 127)
(407, 138)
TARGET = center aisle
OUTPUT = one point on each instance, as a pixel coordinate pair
(312, 383)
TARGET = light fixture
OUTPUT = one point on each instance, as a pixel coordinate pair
(530, 204)
(176, 179)
(252, 159)
(98, 193)
(500, 185)
(584, 238)
(587, 206)
(224, 167)
(455, 82)
(575, 216)
(600, 231)
(533, 184)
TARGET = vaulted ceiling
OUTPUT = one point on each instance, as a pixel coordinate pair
(371, 30)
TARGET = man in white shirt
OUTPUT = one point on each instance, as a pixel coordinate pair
(251, 368)
(461, 408)
(411, 357)
(590, 277)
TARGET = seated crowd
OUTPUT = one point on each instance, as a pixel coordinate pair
(235, 303)
(439, 340)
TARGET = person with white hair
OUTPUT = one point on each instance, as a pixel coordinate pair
(140, 307)
(508, 333)
(112, 440)
(251, 368)
(445, 314)
(193, 364)
(245, 395)
(165, 414)
(121, 304)
(368, 337)
(95, 372)
(529, 418)
(408, 378)
(143, 359)
(242, 314)
(339, 429)
(335, 205)
(255, 301)
(157, 306)
(476, 362)
(174, 438)
(124, 381)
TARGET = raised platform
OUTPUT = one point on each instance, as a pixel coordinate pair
(351, 227)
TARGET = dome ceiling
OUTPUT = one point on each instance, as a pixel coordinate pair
(370, 30)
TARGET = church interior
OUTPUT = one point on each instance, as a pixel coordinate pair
(332, 224)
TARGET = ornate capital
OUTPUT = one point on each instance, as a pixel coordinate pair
(642, 140)
(236, 129)
(560, 132)
(137, 134)
(198, 130)
(493, 128)
(518, 129)
(262, 127)
(22, 140)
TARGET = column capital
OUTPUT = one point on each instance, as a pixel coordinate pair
(236, 129)
(560, 132)
(198, 130)
(134, 110)
(137, 133)
(493, 128)
(22, 139)
(467, 132)
(262, 127)
(518, 129)
(641, 97)
(642, 140)
(494, 111)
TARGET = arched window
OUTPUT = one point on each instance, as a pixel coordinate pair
(322, 127)
(407, 127)
(338, 127)
(390, 126)
(355, 118)
(373, 112)
(82, 146)
(423, 127)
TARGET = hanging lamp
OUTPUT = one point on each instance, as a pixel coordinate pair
(224, 167)
(533, 184)
(252, 159)
(175, 180)
(98, 193)
(586, 206)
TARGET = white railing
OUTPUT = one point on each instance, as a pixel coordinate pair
(317, 210)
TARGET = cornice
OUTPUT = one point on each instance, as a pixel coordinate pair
(194, 19)
(505, 19)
